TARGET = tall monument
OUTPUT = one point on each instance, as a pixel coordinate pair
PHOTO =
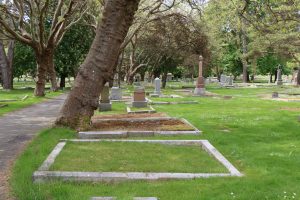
(200, 87)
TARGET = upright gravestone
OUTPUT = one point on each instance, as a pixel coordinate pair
(137, 80)
(200, 87)
(139, 98)
(223, 79)
(275, 95)
(157, 85)
(116, 93)
(230, 81)
(169, 77)
(105, 104)
(279, 77)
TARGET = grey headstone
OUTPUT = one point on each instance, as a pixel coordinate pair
(275, 95)
(105, 104)
(157, 85)
(116, 93)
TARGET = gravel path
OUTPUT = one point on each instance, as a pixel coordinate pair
(18, 128)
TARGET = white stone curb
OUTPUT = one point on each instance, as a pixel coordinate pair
(43, 174)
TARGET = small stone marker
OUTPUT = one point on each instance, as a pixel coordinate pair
(105, 104)
(169, 77)
(229, 81)
(275, 95)
(116, 93)
(139, 98)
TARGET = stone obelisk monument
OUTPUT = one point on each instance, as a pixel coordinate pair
(200, 87)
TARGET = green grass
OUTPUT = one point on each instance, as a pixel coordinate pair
(255, 135)
(127, 157)
(18, 94)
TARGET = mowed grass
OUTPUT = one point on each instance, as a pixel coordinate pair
(259, 137)
(135, 157)
(17, 95)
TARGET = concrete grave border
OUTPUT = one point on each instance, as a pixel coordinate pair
(125, 134)
(43, 174)
(114, 198)
(152, 110)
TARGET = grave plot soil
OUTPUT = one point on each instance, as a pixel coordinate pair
(151, 125)
(130, 116)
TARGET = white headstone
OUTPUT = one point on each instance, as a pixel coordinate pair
(157, 85)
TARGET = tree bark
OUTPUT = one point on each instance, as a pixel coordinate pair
(52, 76)
(97, 68)
(62, 83)
(164, 80)
(244, 52)
(45, 65)
(6, 64)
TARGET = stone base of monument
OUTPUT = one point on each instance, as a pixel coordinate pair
(104, 107)
(116, 93)
(139, 104)
(199, 91)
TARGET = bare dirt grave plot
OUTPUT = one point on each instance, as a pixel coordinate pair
(130, 116)
(142, 124)
(44, 173)
(138, 127)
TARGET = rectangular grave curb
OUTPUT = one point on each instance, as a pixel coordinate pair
(125, 134)
(173, 103)
(43, 174)
(152, 110)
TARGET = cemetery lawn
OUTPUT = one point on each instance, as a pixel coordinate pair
(135, 157)
(259, 137)
(16, 95)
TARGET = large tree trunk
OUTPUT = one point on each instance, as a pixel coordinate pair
(244, 51)
(97, 68)
(52, 76)
(164, 80)
(6, 64)
(62, 83)
(45, 65)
